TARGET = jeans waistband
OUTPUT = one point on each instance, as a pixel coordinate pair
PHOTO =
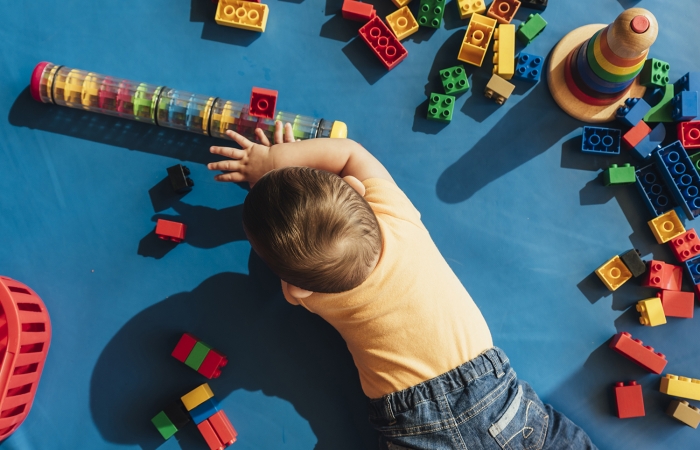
(492, 360)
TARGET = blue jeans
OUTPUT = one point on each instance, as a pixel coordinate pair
(479, 405)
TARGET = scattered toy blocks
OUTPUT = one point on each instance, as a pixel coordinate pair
(677, 304)
(441, 107)
(454, 80)
(632, 112)
(654, 192)
(654, 74)
(680, 176)
(685, 246)
(263, 103)
(635, 351)
(682, 411)
(619, 175)
(666, 227)
(402, 22)
(199, 356)
(357, 11)
(169, 230)
(680, 386)
(476, 39)
(601, 140)
(539, 5)
(504, 51)
(650, 142)
(634, 135)
(688, 82)
(629, 400)
(242, 14)
(685, 106)
(531, 28)
(205, 410)
(663, 276)
(662, 110)
(197, 396)
(430, 13)
(633, 260)
(529, 67)
(179, 179)
(503, 10)
(689, 134)
(614, 273)
(498, 89)
(469, 7)
(651, 312)
(383, 43)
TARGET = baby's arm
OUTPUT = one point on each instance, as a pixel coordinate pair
(340, 156)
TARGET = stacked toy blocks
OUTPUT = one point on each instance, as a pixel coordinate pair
(601, 140)
(357, 11)
(212, 422)
(629, 400)
(170, 231)
(476, 39)
(263, 103)
(498, 89)
(383, 42)
(199, 356)
(682, 411)
(531, 28)
(469, 7)
(504, 51)
(179, 178)
(637, 352)
(430, 13)
(529, 67)
(242, 14)
(619, 175)
(680, 386)
(685, 246)
(503, 10)
(171, 420)
(402, 22)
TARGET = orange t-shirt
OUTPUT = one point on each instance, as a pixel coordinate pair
(411, 319)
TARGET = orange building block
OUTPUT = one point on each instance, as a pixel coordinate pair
(503, 10)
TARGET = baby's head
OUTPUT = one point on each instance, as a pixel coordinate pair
(312, 229)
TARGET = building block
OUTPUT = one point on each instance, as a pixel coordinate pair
(263, 103)
(601, 140)
(539, 5)
(197, 396)
(430, 13)
(197, 355)
(685, 106)
(634, 135)
(635, 351)
(654, 192)
(680, 386)
(164, 426)
(401, 3)
(476, 39)
(688, 82)
(205, 410)
(685, 246)
(632, 112)
(184, 347)
(503, 11)
(212, 364)
(695, 159)
(210, 436)
(666, 226)
(619, 175)
(441, 107)
(633, 260)
(383, 43)
(662, 110)
(682, 411)
(169, 230)
(651, 312)
(357, 11)
(179, 179)
(454, 80)
(629, 400)
(650, 142)
(402, 22)
(242, 14)
(663, 276)
(680, 176)
(498, 89)
(504, 51)
(689, 134)
(654, 74)
(529, 67)
(223, 428)
(614, 273)
(693, 267)
(677, 304)
(531, 28)
(469, 7)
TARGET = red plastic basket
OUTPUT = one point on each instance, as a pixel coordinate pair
(25, 335)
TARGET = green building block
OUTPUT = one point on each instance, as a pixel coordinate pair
(430, 13)
(197, 355)
(663, 110)
(654, 73)
(696, 160)
(531, 28)
(164, 425)
(619, 175)
(454, 80)
(441, 107)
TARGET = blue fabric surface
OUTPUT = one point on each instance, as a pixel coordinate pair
(518, 212)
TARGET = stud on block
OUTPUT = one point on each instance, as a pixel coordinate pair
(263, 103)
(614, 273)
(402, 23)
(629, 400)
(633, 260)
(605, 141)
(430, 13)
(653, 190)
(197, 355)
(684, 412)
(531, 28)
(651, 312)
(469, 7)
(529, 67)
(503, 10)
(498, 89)
(454, 80)
(637, 352)
(688, 82)
(680, 386)
(685, 106)
(383, 43)
(170, 231)
(663, 276)
(619, 175)
(441, 107)
(666, 227)
(689, 134)
(633, 111)
(685, 246)
(242, 14)
(655, 73)
(677, 303)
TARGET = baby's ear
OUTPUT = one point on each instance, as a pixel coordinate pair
(297, 292)
(355, 184)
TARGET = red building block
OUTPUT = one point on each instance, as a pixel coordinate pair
(503, 10)
(677, 304)
(223, 428)
(168, 230)
(663, 276)
(685, 246)
(630, 402)
(184, 347)
(383, 42)
(634, 350)
(210, 436)
(262, 103)
(689, 134)
(212, 364)
(635, 134)
(358, 11)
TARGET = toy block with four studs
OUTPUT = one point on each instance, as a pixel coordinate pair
(441, 107)
(454, 80)
(528, 67)
(430, 13)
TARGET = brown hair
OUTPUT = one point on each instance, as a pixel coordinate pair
(312, 228)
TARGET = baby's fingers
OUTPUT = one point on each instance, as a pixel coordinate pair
(226, 166)
(240, 139)
(234, 153)
(278, 132)
(261, 137)
(235, 177)
(288, 133)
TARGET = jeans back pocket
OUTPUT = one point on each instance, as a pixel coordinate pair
(522, 426)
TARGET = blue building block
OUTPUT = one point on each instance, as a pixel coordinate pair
(528, 67)
(204, 411)
(688, 82)
(634, 110)
(680, 176)
(601, 140)
(651, 142)
(685, 106)
(654, 191)
(693, 268)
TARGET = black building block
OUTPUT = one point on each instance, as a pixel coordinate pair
(179, 179)
(633, 261)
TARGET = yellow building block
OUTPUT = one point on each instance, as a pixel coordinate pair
(469, 7)
(504, 51)
(476, 39)
(680, 386)
(242, 14)
(684, 412)
(651, 312)
(402, 22)
(614, 273)
(197, 396)
(401, 3)
(666, 226)
(73, 89)
(91, 90)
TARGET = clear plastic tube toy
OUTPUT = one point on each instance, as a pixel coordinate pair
(163, 106)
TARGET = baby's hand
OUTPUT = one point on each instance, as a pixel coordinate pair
(252, 161)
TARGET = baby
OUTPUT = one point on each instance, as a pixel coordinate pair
(348, 245)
